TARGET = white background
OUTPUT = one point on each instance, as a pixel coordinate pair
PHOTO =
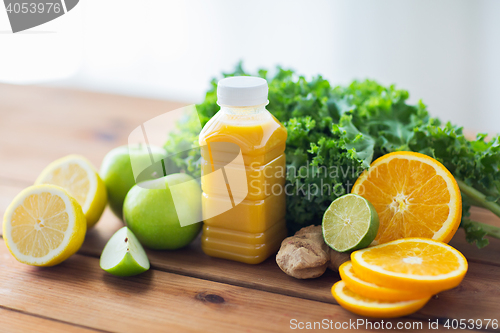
(446, 52)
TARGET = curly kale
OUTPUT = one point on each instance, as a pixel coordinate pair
(334, 133)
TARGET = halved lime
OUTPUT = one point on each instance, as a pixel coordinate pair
(350, 223)
(123, 255)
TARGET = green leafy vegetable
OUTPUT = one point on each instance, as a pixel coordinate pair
(334, 133)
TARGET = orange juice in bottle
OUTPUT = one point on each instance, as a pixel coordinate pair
(243, 174)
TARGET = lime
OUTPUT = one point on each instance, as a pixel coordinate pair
(350, 223)
(123, 255)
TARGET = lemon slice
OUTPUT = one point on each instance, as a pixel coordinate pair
(411, 264)
(371, 290)
(43, 226)
(76, 175)
(368, 307)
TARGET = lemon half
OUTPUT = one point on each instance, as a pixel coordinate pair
(44, 226)
(76, 175)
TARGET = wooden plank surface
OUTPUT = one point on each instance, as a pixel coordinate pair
(52, 123)
(13, 321)
(78, 291)
(480, 282)
(191, 261)
(41, 124)
(98, 236)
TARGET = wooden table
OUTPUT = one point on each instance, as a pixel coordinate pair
(185, 290)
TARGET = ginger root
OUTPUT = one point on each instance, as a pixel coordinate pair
(306, 255)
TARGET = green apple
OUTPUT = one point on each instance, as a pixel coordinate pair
(150, 212)
(116, 171)
(123, 255)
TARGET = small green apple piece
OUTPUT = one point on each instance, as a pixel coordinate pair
(124, 255)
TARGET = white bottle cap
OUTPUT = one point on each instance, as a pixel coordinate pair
(242, 91)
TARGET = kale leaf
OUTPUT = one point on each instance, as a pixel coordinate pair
(334, 133)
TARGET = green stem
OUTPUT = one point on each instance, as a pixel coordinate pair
(489, 229)
(479, 197)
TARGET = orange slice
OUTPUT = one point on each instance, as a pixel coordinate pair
(414, 196)
(411, 264)
(368, 307)
(371, 290)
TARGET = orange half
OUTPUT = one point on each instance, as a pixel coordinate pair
(414, 196)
